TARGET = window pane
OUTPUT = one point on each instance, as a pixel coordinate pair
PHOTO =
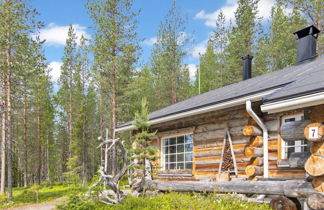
(188, 156)
(180, 140)
(172, 166)
(291, 143)
(173, 149)
(180, 157)
(172, 141)
(166, 142)
(290, 150)
(188, 138)
(179, 148)
(180, 165)
(188, 147)
(166, 166)
(172, 158)
(166, 150)
(189, 165)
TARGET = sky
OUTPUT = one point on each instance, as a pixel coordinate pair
(200, 14)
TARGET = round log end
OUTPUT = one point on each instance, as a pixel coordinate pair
(249, 151)
(253, 170)
(315, 201)
(256, 141)
(314, 132)
(282, 203)
(317, 148)
(248, 130)
(318, 183)
(314, 165)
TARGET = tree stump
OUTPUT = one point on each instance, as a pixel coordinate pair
(315, 201)
(282, 203)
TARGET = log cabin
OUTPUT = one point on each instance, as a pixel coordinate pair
(262, 135)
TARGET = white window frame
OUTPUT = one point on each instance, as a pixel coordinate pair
(184, 151)
(297, 144)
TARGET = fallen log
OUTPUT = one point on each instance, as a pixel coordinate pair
(250, 130)
(253, 152)
(314, 132)
(298, 159)
(317, 148)
(252, 170)
(314, 165)
(315, 201)
(318, 183)
(293, 131)
(282, 203)
(289, 188)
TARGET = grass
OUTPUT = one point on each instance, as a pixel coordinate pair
(37, 194)
(167, 201)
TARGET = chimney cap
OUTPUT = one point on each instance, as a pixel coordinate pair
(248, 56)
(310, 30)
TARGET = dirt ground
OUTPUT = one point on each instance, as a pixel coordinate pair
(49, 205)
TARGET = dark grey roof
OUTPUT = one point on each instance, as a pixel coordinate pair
(284, 77)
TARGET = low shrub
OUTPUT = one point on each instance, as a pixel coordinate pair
(78, 202)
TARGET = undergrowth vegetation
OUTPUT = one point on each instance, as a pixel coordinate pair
(166, 201)
(38, 194)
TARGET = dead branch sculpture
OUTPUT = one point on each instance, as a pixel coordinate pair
(112, 180)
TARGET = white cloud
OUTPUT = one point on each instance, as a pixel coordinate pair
(150, 41)
(55, 70)
(264, 7)
(56, 35)
(192, 71)
(199, 49)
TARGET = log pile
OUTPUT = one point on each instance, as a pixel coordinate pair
(314, 132)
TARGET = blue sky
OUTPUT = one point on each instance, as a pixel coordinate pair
(201, 15)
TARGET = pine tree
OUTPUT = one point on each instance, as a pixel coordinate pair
(167, 56)
(241, 39)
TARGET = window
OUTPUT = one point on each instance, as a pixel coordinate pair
(177, 152)
(288, 147)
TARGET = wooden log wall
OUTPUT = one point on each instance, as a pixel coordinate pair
(314, 132)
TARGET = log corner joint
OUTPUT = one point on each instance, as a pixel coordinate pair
(265, 137)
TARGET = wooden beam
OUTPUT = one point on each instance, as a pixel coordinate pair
(290, 188)
(298, 159)
(293, 131)
(251, 130)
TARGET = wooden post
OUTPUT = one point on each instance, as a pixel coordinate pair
(314, 132)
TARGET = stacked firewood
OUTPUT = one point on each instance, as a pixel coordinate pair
(227, 164)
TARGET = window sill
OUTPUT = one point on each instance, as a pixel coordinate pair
(175, 173)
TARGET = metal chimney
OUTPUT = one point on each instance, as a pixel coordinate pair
(247, 66)
(306, 43)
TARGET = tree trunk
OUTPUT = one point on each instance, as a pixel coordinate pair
(39, 149)
(314, 165)
(293, 131)
(3, 133)
(25, 141)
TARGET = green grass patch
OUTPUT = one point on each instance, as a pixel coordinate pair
(167, 201)
(38, 194)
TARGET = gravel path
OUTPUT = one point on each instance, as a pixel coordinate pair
(40, 206)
